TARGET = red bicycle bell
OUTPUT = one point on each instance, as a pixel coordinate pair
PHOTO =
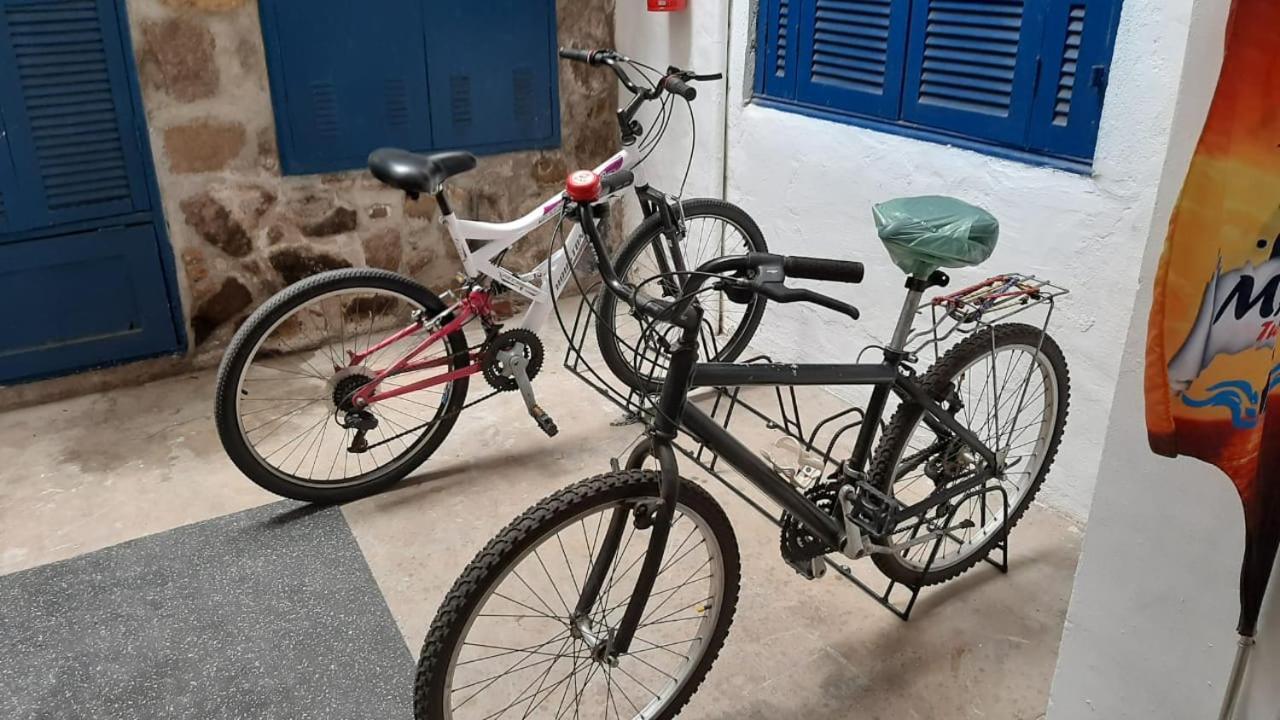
(582, 186)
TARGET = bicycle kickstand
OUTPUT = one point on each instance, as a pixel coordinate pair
(517, 362)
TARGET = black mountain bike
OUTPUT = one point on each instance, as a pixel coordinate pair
(613, 596)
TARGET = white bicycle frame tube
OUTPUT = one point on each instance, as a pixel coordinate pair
(542, 285)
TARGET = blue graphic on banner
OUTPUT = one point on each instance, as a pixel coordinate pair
(1239, 397)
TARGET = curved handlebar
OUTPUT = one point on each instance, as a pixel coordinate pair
(808, 268)
(676, 81)
(674, 85)
(761, 273)
(577, 54)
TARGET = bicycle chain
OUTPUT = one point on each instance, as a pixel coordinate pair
(442, 418)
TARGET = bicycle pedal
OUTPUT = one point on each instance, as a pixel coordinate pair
(544, 421)
(812, 569)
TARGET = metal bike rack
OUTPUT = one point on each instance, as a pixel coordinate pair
(964, 312)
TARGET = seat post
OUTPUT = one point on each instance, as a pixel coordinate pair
(906, 317)
(443, 202)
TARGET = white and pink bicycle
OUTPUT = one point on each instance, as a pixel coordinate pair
(345, 382)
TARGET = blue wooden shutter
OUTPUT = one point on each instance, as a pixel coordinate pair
(971, 67)
(1078, 40)
(346, 77)
(71, 137)
(80, 262)
(82, 299)
(850, 54)
(492, 71)
(776, 54)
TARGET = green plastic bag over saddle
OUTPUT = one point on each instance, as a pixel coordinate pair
(923, 234)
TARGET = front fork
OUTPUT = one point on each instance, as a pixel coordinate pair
(654, 516)
(670, 259)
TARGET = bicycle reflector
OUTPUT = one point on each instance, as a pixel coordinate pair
(582, 186)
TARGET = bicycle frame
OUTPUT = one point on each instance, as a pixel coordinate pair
(673, 413)
(542, 286)
(886, 377)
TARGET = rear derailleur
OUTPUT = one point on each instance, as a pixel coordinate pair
(343, 388)
(362, 421)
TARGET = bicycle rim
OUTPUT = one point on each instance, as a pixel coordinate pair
(647, 344)
(1010, 401)
(291, 392)
(524, 615)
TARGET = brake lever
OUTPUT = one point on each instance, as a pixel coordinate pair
(783, 294)
(703, 78)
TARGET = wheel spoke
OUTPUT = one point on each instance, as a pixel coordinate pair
(1010, 406)
(284, 368)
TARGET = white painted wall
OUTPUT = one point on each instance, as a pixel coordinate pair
(1150, 629)
(695, 40)
(811, 183)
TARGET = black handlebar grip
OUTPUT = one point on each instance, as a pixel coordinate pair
(807, 268)
(575, 54)
(676, 86)
(616, 181)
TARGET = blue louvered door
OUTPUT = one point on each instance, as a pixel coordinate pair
(70, 138)
(491, 69)
(350, 76)
(82, 279)
(971, 66)
(848, 53)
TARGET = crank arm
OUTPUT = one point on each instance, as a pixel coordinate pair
(518, 363)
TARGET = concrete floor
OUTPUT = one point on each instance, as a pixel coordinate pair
(90, 472)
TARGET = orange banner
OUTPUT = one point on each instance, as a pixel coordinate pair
(1212, 370)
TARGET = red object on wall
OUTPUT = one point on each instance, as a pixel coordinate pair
(667, 5)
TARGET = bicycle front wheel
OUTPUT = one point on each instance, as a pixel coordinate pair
(508, 639)
(1008, 385)
(634, 349)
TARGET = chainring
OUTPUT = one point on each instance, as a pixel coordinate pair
(798, 544)
(501, 378)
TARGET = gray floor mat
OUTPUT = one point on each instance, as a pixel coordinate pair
(268, 613)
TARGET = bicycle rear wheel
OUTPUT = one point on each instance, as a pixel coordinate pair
(635, 350)
(507, 638)
(285, 382)
(1010, 386)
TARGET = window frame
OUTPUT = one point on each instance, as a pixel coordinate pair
(762, 44)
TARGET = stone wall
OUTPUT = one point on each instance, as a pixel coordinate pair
(241, 231)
